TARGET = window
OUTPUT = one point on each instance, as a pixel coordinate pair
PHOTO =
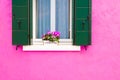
(72, 18)
(48, 17)
(53, 15)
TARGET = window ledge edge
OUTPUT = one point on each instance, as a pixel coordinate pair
(51, 47)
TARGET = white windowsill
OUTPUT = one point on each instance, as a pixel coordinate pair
(51, 47)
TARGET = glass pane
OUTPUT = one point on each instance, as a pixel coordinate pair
(62, 19)
(43, 17)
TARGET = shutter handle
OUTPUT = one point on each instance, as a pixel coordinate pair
(13, 16)
(19, 24)
(88, 17)
(83, 25)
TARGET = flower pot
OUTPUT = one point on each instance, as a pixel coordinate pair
(46, 42)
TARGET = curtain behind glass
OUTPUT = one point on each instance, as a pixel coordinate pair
(43, 17)
(62, 20)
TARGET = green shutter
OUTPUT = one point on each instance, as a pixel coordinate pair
(21, 22)
(81, 20)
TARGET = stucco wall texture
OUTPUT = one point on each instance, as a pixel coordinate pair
(100, 62)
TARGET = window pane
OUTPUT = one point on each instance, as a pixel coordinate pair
(43, 17)
(62, 19)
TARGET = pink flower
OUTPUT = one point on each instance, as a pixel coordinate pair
(56, 33)
(53, 36)
(48, 32)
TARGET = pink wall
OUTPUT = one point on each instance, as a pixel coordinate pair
(100, 62)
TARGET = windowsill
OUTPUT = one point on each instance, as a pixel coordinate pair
(51, 47)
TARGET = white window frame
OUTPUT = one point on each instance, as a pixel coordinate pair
(52, 23)
(37, 44)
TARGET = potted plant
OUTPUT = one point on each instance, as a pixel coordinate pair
(52, 37)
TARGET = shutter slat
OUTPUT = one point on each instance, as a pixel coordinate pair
(82, 12)
(82, 38)
(19, 2)
(18, 36)
(82, 3)
(20, 11)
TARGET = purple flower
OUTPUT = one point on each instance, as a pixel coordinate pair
(56, 33)
(53, 33)
(49, 33)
